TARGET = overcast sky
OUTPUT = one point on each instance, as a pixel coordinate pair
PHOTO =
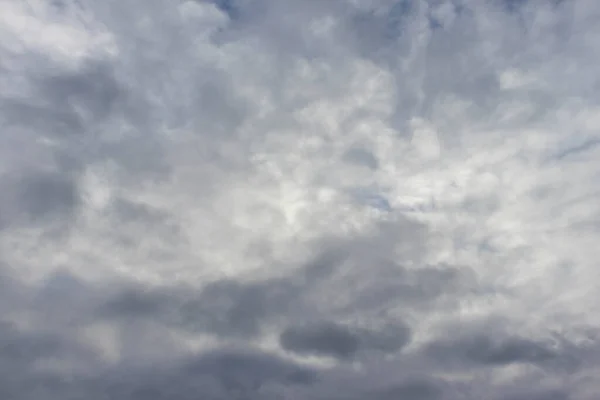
(299, 199)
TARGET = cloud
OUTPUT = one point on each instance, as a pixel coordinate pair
(342, 199)
(325, 338)
(342, 342)
(550, 395)
(413, 390)
(38, 198)
(487, 351)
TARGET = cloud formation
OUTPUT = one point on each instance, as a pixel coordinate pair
(343, 199)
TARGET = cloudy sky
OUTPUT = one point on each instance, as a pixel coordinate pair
(299, 199)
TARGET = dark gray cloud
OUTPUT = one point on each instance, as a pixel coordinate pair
(417, 390)
(249, 369)
(386, 339)
(38, 362)
(35, 361)
(216, 375)
(414, 287)
(220, 374)
(326, 339)
(493, 349)
(225, 308)
(228, 308)
(20, 348)
(231, 308)
(43, 196)
(66, 105)
(552, 394)
(513, 350)
(342, 341)
(38, 198)
(64, 304)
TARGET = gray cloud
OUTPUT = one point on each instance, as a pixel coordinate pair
(46, 195)
(553, 394)
(327, 339)
(231, 371)
(342, 341)
(38, 198)
(387, 339)
(241, 199)
(225, 307)
(487, 350)
(418, 390)
(361, 156)
(218, 375)
(242, 309)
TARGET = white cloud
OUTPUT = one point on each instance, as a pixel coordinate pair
(243, 167)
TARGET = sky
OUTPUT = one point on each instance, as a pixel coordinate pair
(299, 199)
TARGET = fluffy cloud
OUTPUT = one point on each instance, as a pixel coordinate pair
(299, 199)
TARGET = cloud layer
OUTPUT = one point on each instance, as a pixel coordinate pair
(345, 199)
